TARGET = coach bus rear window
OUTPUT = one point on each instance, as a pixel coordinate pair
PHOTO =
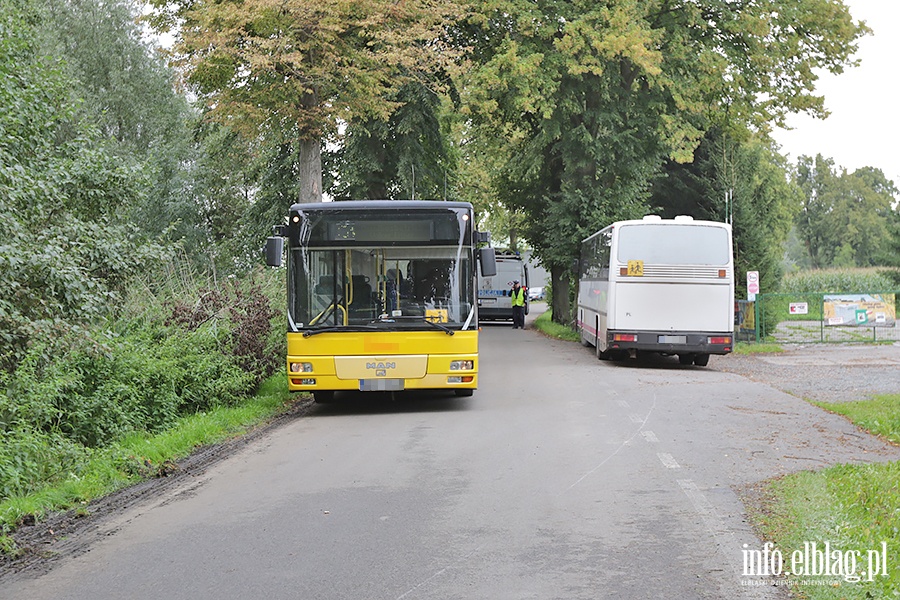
(673, 244)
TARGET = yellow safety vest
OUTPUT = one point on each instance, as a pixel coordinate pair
(518, 299)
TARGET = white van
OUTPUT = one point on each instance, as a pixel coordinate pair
(494, 302)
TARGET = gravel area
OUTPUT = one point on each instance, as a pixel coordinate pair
(823, 372)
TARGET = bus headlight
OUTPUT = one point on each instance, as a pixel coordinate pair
(462, 365)
(301, 367)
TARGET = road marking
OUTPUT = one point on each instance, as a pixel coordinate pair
(650, 437)
(636, 418)
(668, 460)
(617, 450)
(622, 403)
(724, 538)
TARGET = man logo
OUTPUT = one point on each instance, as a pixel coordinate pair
(381, 365)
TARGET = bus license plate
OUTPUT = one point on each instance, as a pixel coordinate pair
(380, 385)
(673, 339)
(489, 301)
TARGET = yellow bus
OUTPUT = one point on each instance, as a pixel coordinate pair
(381, 295)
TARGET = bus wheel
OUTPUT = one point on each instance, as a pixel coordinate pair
(686, 359)
(701, 360)
(323, 396)
(463, 393)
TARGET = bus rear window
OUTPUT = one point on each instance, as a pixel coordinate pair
(674, 244)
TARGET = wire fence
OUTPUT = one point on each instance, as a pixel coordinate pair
(819, 318)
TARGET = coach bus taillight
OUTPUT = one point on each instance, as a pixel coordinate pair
(718, 340)
(624, 337)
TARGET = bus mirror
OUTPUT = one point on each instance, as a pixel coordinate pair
(488, 260)
(274, 249)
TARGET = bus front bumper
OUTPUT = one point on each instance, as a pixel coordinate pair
(384, 373)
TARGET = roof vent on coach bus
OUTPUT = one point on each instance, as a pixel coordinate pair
(684, 218)
(652, 218)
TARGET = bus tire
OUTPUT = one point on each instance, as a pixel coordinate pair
(701, 360)
(323, 396)
(463, 393)
(686, 359)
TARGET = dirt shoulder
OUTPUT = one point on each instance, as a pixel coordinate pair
(822, 372)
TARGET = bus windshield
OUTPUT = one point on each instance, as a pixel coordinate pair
(674, 244)
(381, 270)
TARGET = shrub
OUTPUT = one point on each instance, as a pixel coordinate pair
(836, 280)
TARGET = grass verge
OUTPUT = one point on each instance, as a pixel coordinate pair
(545, 325)
(140, 456)
(880, 415)
(745, 348)
(855, 508)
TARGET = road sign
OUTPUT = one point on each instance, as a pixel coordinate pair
(752, 285)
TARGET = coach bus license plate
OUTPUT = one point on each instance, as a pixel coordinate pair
(381, 385)
(673, 339)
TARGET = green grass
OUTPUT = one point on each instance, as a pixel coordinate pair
(761, 348)
(854, 507)
(545, 325)
(141, 456)
(880, 415)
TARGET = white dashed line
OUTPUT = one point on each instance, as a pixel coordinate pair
(668, 460)
(650, 437)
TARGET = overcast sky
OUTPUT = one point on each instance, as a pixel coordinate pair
(864, 126)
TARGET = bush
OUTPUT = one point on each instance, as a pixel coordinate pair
(836, 280)
(160, 360)
(29, 458)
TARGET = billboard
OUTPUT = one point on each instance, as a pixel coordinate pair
(860, 310)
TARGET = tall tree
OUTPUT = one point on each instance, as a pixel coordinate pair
(742, 180)
(277, 68)
(63, 256)
(405, 156)
(845, 217)
(590, 97)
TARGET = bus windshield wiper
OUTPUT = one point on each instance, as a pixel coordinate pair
(310, 332)
(434, 324)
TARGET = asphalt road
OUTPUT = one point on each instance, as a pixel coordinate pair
(562, 477)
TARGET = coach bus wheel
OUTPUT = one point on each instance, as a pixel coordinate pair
(701, 360)
(463, 393)
(686, 359)
(323, 396)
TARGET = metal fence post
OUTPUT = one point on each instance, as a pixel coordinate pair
(756, 317)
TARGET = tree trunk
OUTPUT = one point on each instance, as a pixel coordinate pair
(562, 310)
(309, 170)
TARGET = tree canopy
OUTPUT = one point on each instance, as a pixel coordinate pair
(274, 68)
(589, 98)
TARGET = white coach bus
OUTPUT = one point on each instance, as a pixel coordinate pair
(658, 285)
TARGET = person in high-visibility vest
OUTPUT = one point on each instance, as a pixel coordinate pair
(517, 295)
